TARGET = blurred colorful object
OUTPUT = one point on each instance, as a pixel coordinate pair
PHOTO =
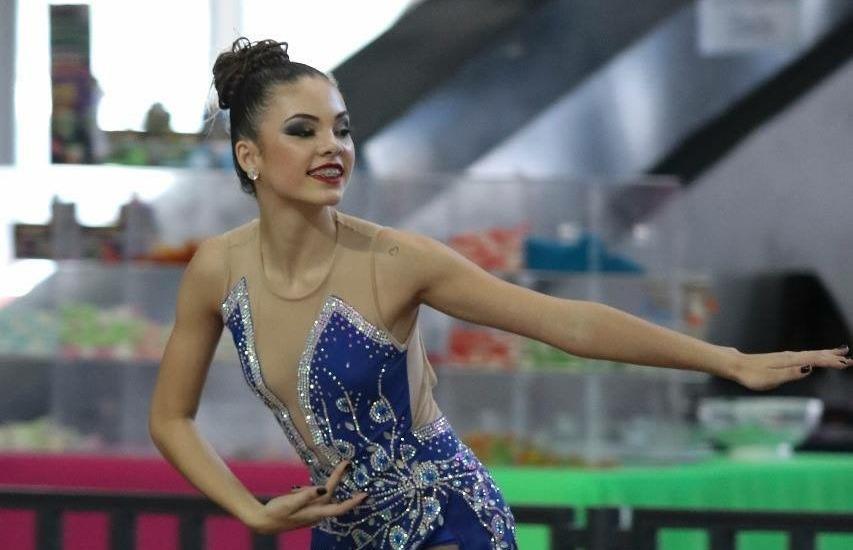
(164, 254)
(759, 427)
(73, 89)
(587, 253)
(64, 237)
(482, 348)
(504, 449)
(80, 331)
(536, 354)
(159, 148)
(44, 434)
(699, 305)
(87, 332)
(30, 333)
(496, 249)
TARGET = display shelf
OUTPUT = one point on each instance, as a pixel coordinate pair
(583, 224)
(18, 360)
(102, 405)
(13, 361)
(59, 361)
(590, 416)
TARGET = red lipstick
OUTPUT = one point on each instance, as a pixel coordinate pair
(331, 173)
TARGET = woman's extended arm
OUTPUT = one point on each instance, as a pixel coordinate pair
(174, 404)
(450, 283)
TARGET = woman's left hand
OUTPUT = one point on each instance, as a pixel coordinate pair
(765, 371)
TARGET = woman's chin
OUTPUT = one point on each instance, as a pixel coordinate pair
(333, 198)
(329, 198)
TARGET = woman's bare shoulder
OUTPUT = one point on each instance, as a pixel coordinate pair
(208, 271)
(212, 252)
(405, 256)
(361, 225)
(210, 258)
(237, 235)
(393, 240)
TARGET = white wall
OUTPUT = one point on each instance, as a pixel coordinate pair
(784, 197)
(7, 80)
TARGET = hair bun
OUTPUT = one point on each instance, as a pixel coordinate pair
(233, 66)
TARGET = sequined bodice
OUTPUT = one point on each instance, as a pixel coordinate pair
(353, 394)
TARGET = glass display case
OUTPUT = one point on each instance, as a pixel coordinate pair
(79, 353)
(519, 401)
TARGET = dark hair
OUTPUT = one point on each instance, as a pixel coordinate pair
(243, 77)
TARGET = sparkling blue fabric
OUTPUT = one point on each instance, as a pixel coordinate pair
(354, 395)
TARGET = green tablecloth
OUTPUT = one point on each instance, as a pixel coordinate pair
(807, 482)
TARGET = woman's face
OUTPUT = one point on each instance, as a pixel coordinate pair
(304, 150)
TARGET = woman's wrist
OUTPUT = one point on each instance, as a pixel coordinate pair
(253, 515)
(730, 363)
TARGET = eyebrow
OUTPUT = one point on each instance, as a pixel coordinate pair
(312, 117)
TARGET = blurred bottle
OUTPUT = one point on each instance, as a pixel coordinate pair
(65, 233)
(139, 228)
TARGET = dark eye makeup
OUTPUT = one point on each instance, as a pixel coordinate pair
(305, 130)
(301, 130)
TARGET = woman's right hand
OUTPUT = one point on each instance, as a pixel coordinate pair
(304, 507)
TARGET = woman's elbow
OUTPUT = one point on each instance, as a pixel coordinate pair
(155, 427)
(160, 424)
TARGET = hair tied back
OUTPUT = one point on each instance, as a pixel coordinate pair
(244, 59)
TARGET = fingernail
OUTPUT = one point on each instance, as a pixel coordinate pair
(322, 491)
(806, 369)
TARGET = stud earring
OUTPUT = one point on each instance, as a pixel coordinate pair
(253, 173)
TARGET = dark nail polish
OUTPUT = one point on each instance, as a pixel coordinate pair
(322, 491)
(806, 369)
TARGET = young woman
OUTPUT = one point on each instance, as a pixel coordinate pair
(323, 308)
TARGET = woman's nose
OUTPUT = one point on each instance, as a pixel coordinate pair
(330, 145)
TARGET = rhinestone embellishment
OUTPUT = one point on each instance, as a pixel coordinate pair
(414, 477)
(398, 537)
(381, 412)
(237, 316)
(426, 474)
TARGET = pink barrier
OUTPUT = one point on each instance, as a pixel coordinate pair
(89, 530)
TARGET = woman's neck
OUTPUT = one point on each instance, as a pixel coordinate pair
(296, 240)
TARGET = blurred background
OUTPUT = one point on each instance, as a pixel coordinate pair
(687, 161)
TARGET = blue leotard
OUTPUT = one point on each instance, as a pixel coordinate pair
(353, 399)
